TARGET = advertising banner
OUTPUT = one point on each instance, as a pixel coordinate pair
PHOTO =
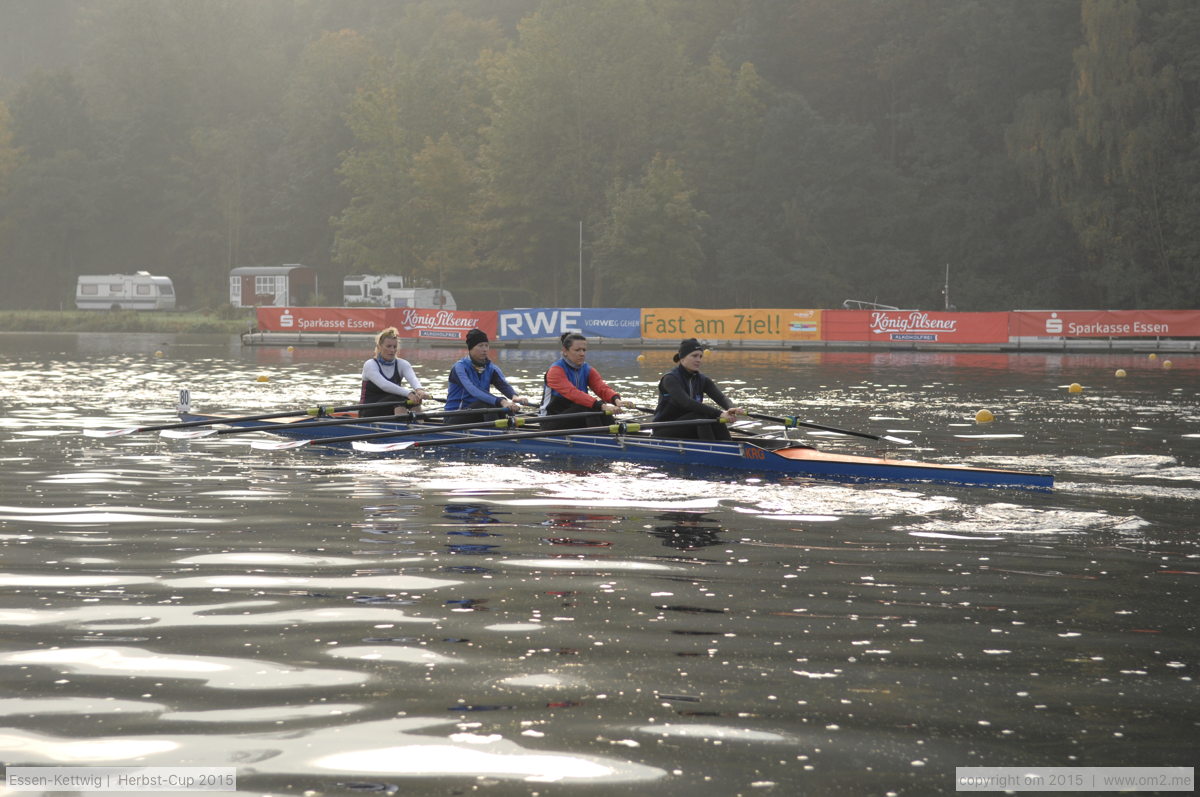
(1104, 323)
(673, 323)
(411, 322)
(322, 319)
(428, 324)
(914, 326)
(546, 322)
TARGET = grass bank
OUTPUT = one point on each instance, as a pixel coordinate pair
(119, 321)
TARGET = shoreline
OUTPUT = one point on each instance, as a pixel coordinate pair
(133, 321)
(122, 321)
(1015, 346)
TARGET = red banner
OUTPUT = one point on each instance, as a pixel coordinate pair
(429, 324)
(913, 326)
(1104, 323)
(322, 319)
(410, 322)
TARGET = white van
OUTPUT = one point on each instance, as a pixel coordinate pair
(387, 290)
(140, 291)
(371, 289)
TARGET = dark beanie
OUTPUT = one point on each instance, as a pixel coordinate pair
(475, 337)
(687, 347)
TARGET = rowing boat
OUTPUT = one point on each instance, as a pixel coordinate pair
(777, 458)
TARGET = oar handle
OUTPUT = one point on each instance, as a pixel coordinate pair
(653, 410)
(619, 428)
(409, 418)
(510, 422)
(501, 423)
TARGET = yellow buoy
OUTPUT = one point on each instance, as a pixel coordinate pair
(158, 353)
(1075, 387)
(264, 378)
(984, 416)
(1166, 363)
(707, 352)
(291, 348)
(1121, 373)
(1153, 356)
(641, 358)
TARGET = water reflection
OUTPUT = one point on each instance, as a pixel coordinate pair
(687, 531)
(473, 513)
(429, 625)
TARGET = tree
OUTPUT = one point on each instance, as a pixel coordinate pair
(47, 180)
(650, 246)
(369, 234)
(582, 102)
(49, 217)
(410, 171)
(303, 187)
(50, 115)
(10, 161)
(441, 213)
(10, 155)
(1115, 153)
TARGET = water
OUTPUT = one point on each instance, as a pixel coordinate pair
(331, 623)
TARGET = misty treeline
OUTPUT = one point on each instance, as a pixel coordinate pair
(743, 153)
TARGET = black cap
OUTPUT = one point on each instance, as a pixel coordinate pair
(687, 347)
(475, 337)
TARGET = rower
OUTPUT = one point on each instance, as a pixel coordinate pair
(383, 376)
(681, 393)
(472, 378)
(568, 381)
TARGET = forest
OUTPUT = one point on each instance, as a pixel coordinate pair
(1025, 154)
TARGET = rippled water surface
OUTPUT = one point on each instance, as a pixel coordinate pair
(333, 623)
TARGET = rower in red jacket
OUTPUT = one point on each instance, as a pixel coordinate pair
(567, 384)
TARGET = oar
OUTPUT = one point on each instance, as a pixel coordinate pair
(265, 416)
(791, 421)
(501, 423)
(614, 428)
(191, 434)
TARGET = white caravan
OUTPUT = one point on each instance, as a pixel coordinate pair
(388, 290)
(140, 291)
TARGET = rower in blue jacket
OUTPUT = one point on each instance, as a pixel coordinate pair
(473, 377)
(681, 393)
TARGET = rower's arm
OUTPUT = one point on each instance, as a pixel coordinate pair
(468, 384)
(601, 388)
(372, 374)
(677, 395)
(557, 381)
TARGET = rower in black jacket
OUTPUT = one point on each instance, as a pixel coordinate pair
(681, 393)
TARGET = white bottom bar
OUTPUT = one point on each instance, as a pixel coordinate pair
(1074, 779)
(122, 779)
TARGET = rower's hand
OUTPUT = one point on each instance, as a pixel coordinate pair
(420, 394)
(609, 409)
(512, 405)
(730, 415)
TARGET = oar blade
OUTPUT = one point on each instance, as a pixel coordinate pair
(112, 432)
(381, 448)
(278, 445)
(898, 440)
(187, 434)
